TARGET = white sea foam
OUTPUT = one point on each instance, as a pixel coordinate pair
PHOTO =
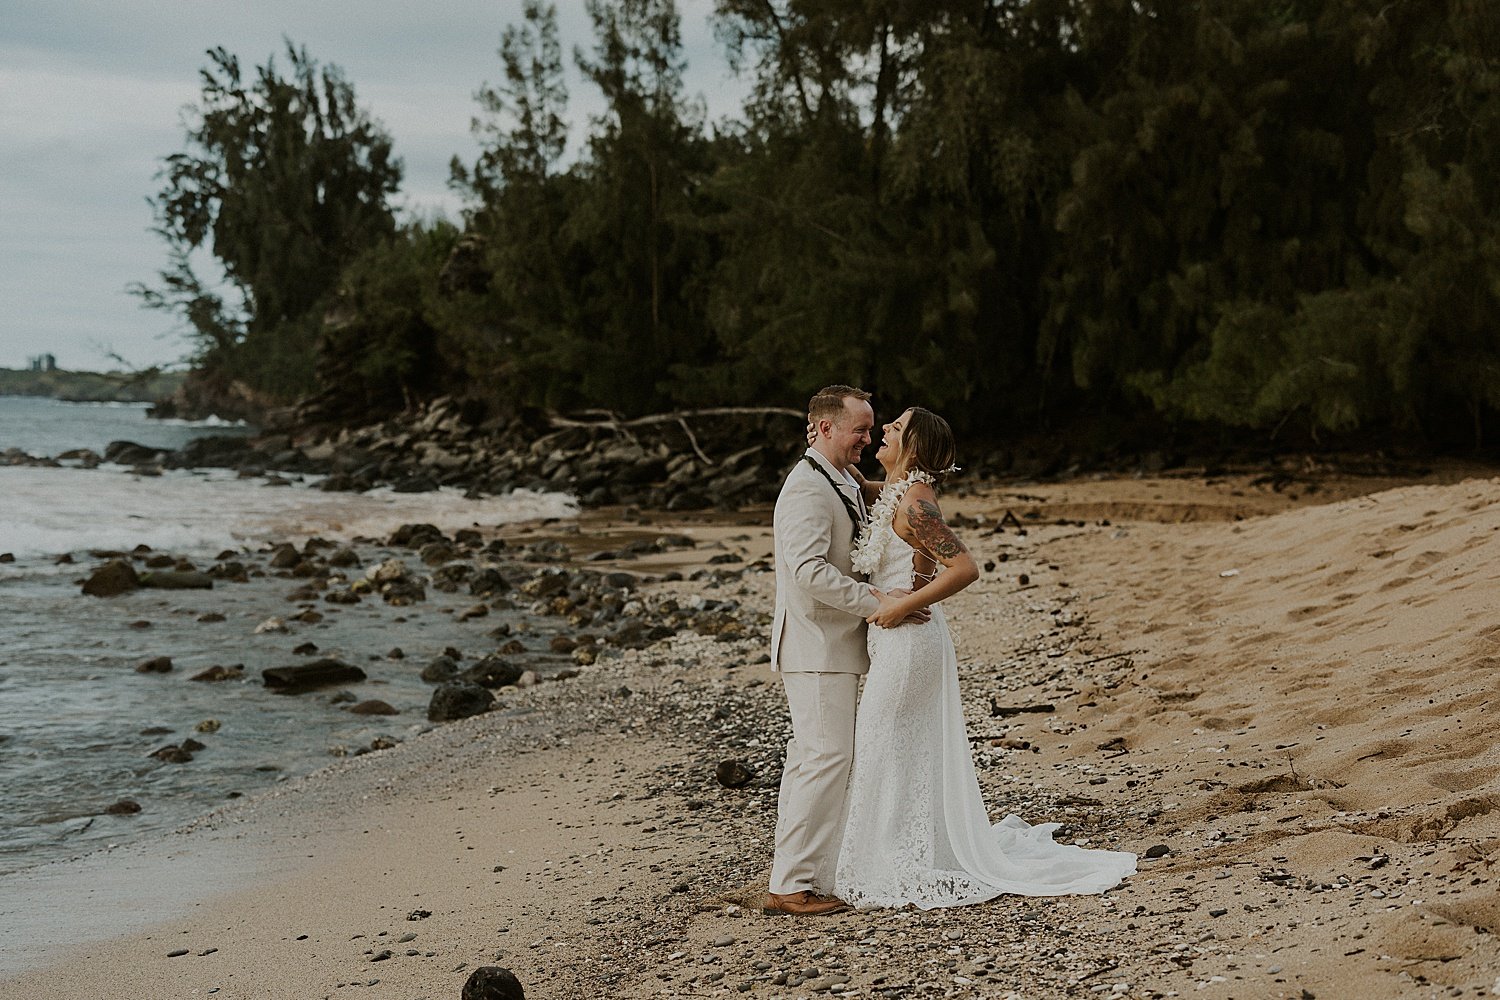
(46, 511)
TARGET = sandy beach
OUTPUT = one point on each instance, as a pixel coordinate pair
(1280, 682)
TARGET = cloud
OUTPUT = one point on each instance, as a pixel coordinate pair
(90, 98)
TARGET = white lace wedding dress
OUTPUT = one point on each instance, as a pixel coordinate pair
(917, 830)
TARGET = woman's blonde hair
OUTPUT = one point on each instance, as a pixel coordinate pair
(926, 444)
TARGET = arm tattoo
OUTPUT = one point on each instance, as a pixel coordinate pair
(932, 531)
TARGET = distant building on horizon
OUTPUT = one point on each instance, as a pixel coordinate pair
(43, 363)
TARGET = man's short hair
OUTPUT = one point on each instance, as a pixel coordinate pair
(828, 402)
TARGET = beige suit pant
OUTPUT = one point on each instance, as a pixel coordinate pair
(810, 811)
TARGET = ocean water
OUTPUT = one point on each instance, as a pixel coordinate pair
(47, 427)
(78, 723)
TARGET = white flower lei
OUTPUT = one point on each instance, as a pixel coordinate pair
(869, 547)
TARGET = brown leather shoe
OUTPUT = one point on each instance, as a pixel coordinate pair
(801, 904)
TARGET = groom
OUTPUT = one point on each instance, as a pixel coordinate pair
(818, 646)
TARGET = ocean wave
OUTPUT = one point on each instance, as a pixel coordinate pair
(49, 511)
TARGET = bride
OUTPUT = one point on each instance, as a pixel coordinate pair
(917, 829)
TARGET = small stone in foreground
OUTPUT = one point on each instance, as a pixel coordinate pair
(491, 982)
(1217, 911)
(177, 953)
(1157, 851)
(733, 774)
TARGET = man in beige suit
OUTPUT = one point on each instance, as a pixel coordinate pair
(818, 646)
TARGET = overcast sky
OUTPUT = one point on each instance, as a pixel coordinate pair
(91, 93)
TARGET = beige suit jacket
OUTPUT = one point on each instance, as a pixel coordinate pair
(819, 626)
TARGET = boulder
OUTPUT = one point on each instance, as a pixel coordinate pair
(491, 982)
(129, 453)
(488, 581)
(176, 579)
(155, 665)
(441, 669)
(124, 807)
(307, 676)
(115, 577)
(493, 672)
(373, 706)
(458, 700)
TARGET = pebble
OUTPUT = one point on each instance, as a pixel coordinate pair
(177, 953)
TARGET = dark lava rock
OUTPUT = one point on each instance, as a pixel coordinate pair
(1158, 851)
(374, 706)
(218, 673)
(458, 700)
(491, 982)
(155, 665)
(124, 807)
(414, 536)
(437, 553)
(403, 592)
(488, 581)
(285, 557)
(129, 453)
(193, 746)
(344, 559)
(620, 581)
(178, 580)
(441, 669)
(305, 649)
(115, 577)
(306, 676)
(733, 774)
(172, 755)
(493, 672)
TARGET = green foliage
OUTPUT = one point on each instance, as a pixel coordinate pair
(1282, 217)
(284, 182)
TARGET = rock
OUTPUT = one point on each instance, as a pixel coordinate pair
(528, 678)
(488, 581)
(193, 746)
(211, 617)
(124, 807)
(155, 665)
(562, 644)
(172, 755)
(493, 672)
(306, 676)
(271, 625)
(442, 668)
(1157, 851)
(177, 952)
(209, 726)
(1217, 911)
(218, 673)
(129, 453)
(389, 571)
(458, 700)
(178, 580)
(401, 593)
(414, 536)
(373, 706)
(437, 553)
(115, 577)
(477, 611)
(733, 774)
(305, 649)
(344, 559)
(285, 556)
(491, 982)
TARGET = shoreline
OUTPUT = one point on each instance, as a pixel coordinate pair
(1129, 629)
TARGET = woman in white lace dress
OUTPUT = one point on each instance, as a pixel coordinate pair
(917, 830)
